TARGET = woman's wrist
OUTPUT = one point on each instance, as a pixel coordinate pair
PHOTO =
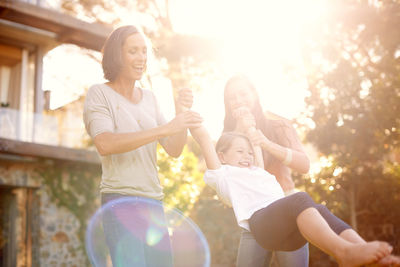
(288, 156)
(179, 109)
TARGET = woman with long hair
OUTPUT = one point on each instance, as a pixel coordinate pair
(282, 152)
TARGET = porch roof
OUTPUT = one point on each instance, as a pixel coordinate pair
(66, 28)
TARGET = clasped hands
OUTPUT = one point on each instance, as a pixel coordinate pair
(185, 118)
(246, 124)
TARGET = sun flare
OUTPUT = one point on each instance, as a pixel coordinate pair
(258, 38)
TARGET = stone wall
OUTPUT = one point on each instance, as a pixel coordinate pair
(55, 229)
(59, 242)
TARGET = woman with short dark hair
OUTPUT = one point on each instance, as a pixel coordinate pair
(126, 124)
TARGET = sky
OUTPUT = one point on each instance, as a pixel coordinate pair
(260, 39)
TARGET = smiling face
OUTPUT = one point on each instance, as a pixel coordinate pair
(134, 56)
(239, 153)
(239, 94)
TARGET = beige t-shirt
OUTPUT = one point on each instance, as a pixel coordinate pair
(135, 172)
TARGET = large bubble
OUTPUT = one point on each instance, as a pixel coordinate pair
(140, 234)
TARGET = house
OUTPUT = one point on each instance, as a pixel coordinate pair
(47, 191)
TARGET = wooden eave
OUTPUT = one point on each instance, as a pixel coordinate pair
(66, 28)
(26, 149)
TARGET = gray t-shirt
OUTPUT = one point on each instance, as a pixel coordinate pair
(134, 172)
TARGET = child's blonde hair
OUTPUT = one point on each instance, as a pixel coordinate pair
(226, 140)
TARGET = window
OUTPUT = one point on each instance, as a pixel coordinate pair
(17, 91)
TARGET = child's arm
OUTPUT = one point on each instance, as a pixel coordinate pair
(258, 155)
(246, 124)
(207, 147)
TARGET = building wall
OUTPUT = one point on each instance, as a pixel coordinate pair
(58, 227)
(59, 242)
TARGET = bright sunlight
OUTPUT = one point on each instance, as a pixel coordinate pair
(257, 38)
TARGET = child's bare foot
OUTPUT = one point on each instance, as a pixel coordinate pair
(390, 260)
(359, 254)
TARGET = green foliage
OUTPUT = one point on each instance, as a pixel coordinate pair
(180, 178)
(218, 223)
(354, 102)
(74, 187)
(355, 98)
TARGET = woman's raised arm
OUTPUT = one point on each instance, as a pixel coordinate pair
(174, 144)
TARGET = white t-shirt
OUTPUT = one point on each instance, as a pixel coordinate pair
(245, 189)
(134, 172)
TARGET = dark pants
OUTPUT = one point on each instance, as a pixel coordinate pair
(136, 231)
(275, 228)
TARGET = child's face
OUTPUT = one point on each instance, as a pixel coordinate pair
(240, 154)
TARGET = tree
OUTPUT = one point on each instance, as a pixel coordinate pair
(353, 62)
(180, 178)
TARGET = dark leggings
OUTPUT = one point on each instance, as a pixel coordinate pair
(274, 227)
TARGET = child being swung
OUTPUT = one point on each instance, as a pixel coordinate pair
(278, 222)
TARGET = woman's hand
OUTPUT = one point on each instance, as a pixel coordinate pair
(257, 138)
(244, 119)
(184, 100)
(184, 120)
